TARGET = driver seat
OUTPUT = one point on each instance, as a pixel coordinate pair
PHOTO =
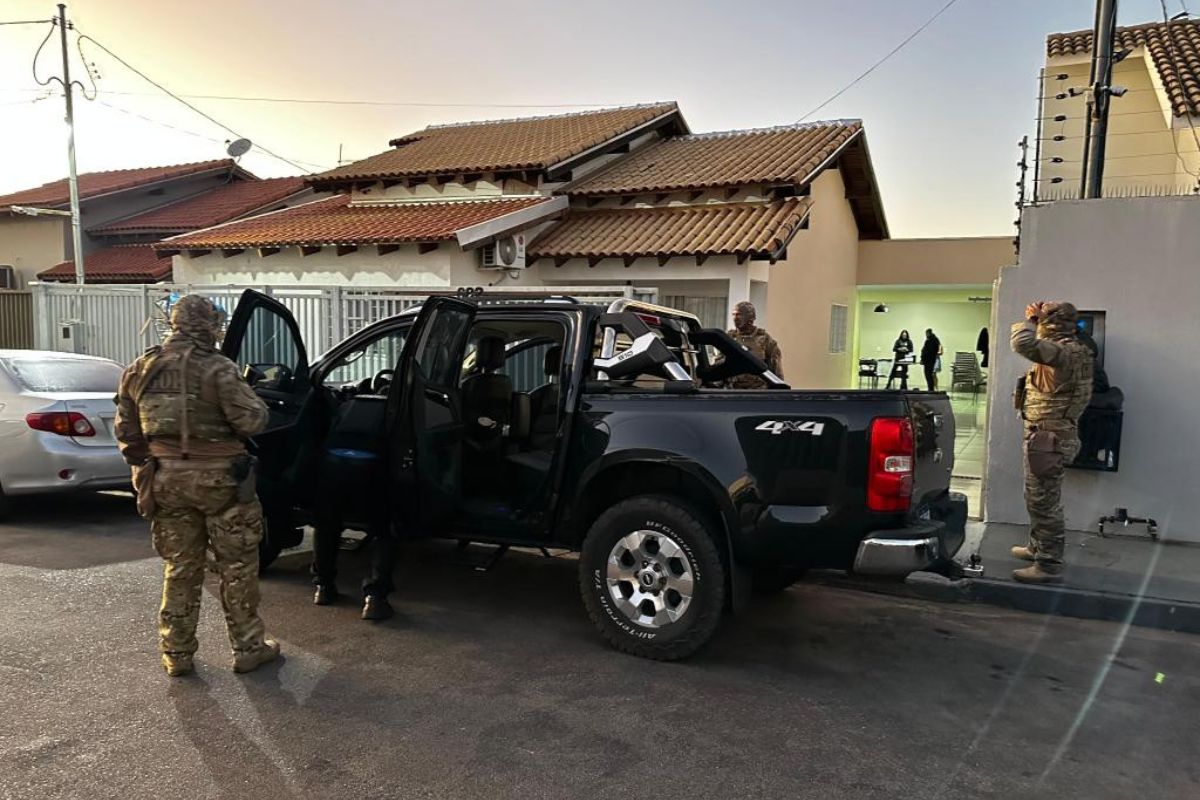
(544, 403)
(487, 395)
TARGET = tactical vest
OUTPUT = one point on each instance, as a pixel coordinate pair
(756, 343)
(1067, 402)
(173, 397)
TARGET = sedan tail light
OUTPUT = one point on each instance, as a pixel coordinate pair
(890, 464)
(63, 423)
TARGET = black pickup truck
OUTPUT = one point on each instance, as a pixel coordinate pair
(550, 423)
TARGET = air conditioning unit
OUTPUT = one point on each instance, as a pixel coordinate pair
(507, 252)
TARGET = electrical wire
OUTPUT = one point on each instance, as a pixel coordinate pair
(24, 21)
(167, 91)
(37, 54)
(1186, 112)
(382, 103)
(162, 124)
(87, 68)
(880, 62)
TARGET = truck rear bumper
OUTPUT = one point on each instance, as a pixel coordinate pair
(893, 553)
(918, 546)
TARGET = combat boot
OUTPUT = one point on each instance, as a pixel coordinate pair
(251, 660)
(1036, 574)
(178, 666)
(1023, 553)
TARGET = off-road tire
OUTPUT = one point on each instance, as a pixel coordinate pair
(775, 579)
(695, 536)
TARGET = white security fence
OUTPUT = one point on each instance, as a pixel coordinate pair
(120, 321)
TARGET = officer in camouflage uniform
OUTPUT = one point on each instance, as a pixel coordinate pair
(182, 412)
(1055, 393)
(757, 341)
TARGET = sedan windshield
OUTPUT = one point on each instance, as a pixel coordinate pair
(65, 374)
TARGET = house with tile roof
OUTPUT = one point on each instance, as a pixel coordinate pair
(424, 211)
(1153, 144)
(616, 196)
(123, 212)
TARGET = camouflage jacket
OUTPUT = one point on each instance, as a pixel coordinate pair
(184, 397)
(761, 343)
(1059, 385)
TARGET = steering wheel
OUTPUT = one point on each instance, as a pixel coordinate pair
(382, 381)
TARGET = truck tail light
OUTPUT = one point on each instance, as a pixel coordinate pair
(890, 464)
(63, 423)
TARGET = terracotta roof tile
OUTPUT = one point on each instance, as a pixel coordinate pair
(512, 144)
(135, 263)
(209, 208)
(334, 221)
(780, 156)
(92, 184)
(1174, 48)
(750, 229)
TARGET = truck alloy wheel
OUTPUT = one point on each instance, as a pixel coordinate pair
(652, 578)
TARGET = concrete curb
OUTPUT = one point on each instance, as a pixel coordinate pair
(1146, 612)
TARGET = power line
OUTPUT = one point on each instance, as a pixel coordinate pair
(878, 63)
(162, 124)
(382, 103)
(24, 21)
(1186, 115)
(167, 91)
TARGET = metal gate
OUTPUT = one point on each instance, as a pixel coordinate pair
(120, 321)
(16, 320)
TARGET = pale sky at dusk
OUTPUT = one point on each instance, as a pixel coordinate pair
(942, 117)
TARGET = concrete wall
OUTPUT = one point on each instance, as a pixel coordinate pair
(820, 270)
(405, 267)
(975, 260)
(30, 244)
(1136, 260)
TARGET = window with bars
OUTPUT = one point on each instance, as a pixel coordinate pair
(838, 320)
(709, 310)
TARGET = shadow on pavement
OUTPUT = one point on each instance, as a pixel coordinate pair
(72, 531)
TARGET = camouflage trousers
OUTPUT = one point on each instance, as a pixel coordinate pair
(1047, 453)
(197, 511)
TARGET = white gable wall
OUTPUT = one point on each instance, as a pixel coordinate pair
(1136, 260)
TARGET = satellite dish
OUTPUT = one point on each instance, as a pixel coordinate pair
(238, 148)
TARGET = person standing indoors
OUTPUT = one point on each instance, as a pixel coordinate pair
(1051, 397)
(182, 413)
(901, 350)
(931, 351)
(757, 341)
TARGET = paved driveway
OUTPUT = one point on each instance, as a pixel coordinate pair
(494, 685)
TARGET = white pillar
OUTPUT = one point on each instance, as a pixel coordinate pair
(758, 296)
(739, 290)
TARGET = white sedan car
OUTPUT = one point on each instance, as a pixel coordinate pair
(56, 424)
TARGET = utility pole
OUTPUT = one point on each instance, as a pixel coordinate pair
(72, 176)
(1101, 93)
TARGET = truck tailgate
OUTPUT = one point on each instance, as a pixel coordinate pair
(933, 429)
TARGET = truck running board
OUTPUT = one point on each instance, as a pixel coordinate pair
(490, 560)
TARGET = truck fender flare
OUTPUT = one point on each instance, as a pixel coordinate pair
(737, 574)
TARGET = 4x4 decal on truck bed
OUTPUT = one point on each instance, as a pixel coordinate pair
(777, 427)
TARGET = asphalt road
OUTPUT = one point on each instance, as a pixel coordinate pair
(495, 686)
